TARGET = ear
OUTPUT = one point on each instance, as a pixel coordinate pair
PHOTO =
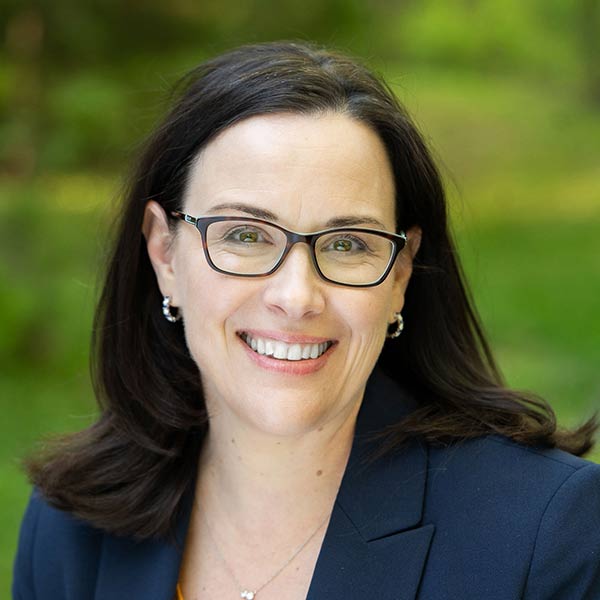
(159, 241)
(403, 268)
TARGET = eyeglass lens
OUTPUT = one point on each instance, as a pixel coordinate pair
(245, 248)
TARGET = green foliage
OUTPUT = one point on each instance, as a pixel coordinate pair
(50, 239)
(495, 84)
(510, 35)
(87, 119)
(74, 73)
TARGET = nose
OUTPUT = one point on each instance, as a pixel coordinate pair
(295, 289)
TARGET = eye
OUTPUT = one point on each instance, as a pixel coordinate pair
(345, 244)
(246, 235)
(342, 245)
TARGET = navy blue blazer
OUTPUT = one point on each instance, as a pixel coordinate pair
(484, 519)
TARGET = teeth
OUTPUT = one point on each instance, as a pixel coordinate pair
(295, 352)
(283, 351)
(280, 350)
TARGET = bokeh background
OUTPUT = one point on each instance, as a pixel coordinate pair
(507, 93)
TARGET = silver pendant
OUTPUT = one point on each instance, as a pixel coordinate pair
(248, 595)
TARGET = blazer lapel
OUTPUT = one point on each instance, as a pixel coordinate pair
(147, 569)
(374, 545)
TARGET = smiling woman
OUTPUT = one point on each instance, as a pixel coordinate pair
(265, 430)
(305, 172)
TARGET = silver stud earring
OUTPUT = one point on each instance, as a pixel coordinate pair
(167, 310)
(399, 322)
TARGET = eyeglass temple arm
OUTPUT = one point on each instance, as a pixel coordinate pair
(184, 217)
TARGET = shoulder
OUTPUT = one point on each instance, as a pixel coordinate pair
(524, 510)
(500, 459)
(54, 548)
(64, 558)
(495, 475)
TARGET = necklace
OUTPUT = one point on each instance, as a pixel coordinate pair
(246, 593)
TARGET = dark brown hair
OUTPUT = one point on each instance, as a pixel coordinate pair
(128, 472)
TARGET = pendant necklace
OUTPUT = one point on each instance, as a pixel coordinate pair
(247, 593)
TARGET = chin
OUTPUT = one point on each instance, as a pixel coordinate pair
(288, 417)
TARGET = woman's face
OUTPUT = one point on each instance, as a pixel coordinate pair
(304, 172)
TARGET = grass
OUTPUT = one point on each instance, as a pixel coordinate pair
(521, 160)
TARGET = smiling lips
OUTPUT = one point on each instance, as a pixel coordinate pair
(284, 351)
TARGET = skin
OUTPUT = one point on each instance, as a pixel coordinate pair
(272, 428)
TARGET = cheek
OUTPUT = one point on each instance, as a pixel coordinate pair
(368, 314)
(367, 324)
(204, 294)
(206, 303)
(211, 306)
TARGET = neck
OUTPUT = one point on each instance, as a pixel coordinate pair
(257, 478)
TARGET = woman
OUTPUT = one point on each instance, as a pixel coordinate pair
(259, 436)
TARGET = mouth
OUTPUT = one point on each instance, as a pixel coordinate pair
(280, 350)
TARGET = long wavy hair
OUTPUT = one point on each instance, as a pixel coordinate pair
(128, 472)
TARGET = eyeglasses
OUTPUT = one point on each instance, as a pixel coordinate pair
(249, 247)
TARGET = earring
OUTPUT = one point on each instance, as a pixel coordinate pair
(166, 309)
(399, 322)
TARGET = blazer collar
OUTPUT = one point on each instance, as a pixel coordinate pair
(374, 544)
(373, 526)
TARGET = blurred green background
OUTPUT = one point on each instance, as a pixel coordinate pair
(506, 92)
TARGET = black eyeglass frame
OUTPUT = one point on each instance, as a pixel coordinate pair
(293, 237)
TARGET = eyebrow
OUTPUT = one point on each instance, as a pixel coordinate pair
(261, 213)
(351, 221)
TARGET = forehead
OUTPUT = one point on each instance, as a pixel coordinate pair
(305, 169)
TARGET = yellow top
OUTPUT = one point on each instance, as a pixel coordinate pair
(178, 592)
